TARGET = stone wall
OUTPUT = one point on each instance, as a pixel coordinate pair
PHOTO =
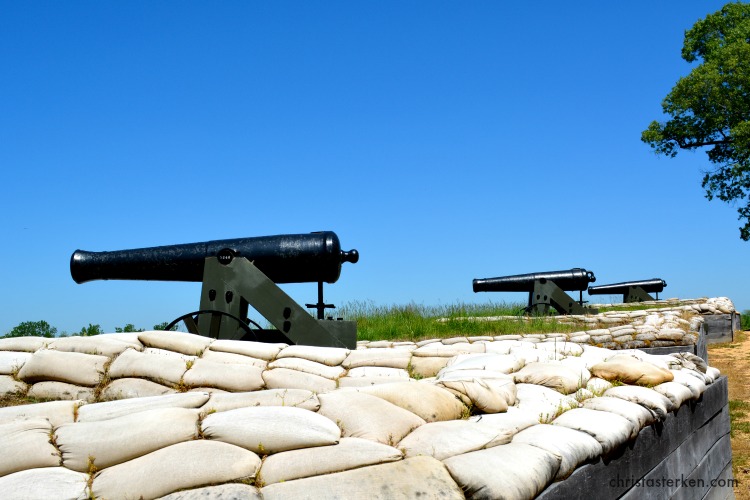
(174, 415)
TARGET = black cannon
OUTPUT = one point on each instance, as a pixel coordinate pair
(236, 274)
(632, 291)
(545, 289)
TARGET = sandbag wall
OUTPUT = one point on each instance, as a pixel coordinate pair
(163, 414)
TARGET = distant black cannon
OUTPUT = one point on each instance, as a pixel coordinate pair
(632, 291)
(236, 274)
(545, 289)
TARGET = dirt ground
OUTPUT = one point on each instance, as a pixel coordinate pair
(733, 359)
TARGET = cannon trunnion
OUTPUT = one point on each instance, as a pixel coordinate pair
(237, 274)
(545, 289)
(632, 291)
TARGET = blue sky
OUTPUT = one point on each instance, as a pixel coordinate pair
(445, 141)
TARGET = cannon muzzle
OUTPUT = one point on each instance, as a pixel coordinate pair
(655, 285)
(572, 279)
(287, 258)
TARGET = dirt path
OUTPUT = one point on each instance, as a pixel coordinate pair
(733, 359)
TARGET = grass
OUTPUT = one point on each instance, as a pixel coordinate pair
(738, 412)
(634, 306)
(732, 359)
(415, 322)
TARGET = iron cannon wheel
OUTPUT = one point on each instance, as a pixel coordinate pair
(191, 323)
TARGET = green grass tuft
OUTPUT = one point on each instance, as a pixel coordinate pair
(415, 322)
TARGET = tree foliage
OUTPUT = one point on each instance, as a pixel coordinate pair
(163, 326)
(91, 330)
(32, 329)
(130, 327)
(710, 107)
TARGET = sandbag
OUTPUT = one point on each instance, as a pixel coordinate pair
(598, 385)
(113, 409)
(125, 388)
(229, 491)
(693, 383)
(293, 398)
(418, 477)
(713, 373)
(631, 371)
(430, 402)
(186, 343)
(127, 337)
(561, 347)
(532, 354)
(284, 378)
(9, 385)
(117, 440)
(57, 412)
(593, 355)
(171, 354)
(675, 392)
(44, 483)
(386, 357)
(609, 429)
(331, 356)
(486, 395)
(98, 344)
(231, 358)
(23, 344)
(639, 416)
(260, 350)
(644, 396)
(436, 349)
(271, 429)
(366, 416)
(504, 363)
(235, 377)
(61, 390)
(501, 346)
(165, 370)
(357, 382)
(553, 375)
(12, 361)
(425, 367)
(26, 445)
(349, 453)
(542, 402)
(510, 471)
(307, 366)
(378, 371)
(180, 466)
(442, 440)
(71, 367)
(573, 447)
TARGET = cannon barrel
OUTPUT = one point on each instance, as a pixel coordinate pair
(655, 285)
(571, 279)
(286, 258)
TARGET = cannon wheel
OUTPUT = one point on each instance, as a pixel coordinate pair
(191, 323)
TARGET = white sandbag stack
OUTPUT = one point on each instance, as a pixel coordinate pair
(278, 421)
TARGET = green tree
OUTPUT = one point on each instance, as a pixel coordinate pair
(32, 329)
(163, 326)
(90, 331)
(710, 107)
(128, 328)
